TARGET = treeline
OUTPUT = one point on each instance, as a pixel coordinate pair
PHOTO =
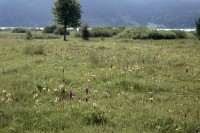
(140, 32)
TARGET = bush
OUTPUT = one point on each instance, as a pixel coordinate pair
(19, 30)
(60, 31)
(161, 34)
(146, 33)
(135, 33)
(29, 35)
(198, 28)
(85, 32)
(102, 32)
(180, 34)
(49, 29)
(119, 29)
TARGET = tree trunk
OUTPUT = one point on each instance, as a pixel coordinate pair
(65, 30)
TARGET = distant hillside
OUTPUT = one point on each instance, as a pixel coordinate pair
(153, 13)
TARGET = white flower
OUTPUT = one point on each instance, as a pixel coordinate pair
(61, 86)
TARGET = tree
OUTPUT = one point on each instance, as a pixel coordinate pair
(67, 13)
(198, 28)
(85, 32)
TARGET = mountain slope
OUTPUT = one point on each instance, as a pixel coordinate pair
(154, 13)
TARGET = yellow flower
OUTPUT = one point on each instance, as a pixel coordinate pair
(94, 105)
(8, 95)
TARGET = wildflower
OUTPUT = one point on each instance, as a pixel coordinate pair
(94, 105)
(4, 91)
(61, 86)
(8, 95)
(56, 100)
(151, 98)
(9, 100)
(35, 95)
(86, 91)
(94, 76)
(2, 99)
(70, 95)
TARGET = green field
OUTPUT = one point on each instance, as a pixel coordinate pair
(134, 85)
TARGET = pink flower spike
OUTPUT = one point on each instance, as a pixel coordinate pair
(86, 91)
(70, 95)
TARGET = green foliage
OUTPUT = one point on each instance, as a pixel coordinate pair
(162, 35)
(29, 35)
(119, 29)
(198, 28)
(146, 33)
(19, 30)
(60, 31)
(180, 34)
(102, 32)
(49, 29)
(67, 13)
(96, 117)
(85, 32)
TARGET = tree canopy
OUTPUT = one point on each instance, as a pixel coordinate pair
(198, 28)
(67, 13)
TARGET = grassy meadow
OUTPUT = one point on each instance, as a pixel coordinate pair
(133, 85)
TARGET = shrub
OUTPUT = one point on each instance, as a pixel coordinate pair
(180, 34)
(60, 31)
(198, 28)
(29, 35)
(101, 32)
(161, 34)
(135, 33)
(146, 33)
(119, 29)
(49, 29)
(85, 32)
(19, 30)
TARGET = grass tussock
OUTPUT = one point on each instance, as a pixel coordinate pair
(34, 50)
